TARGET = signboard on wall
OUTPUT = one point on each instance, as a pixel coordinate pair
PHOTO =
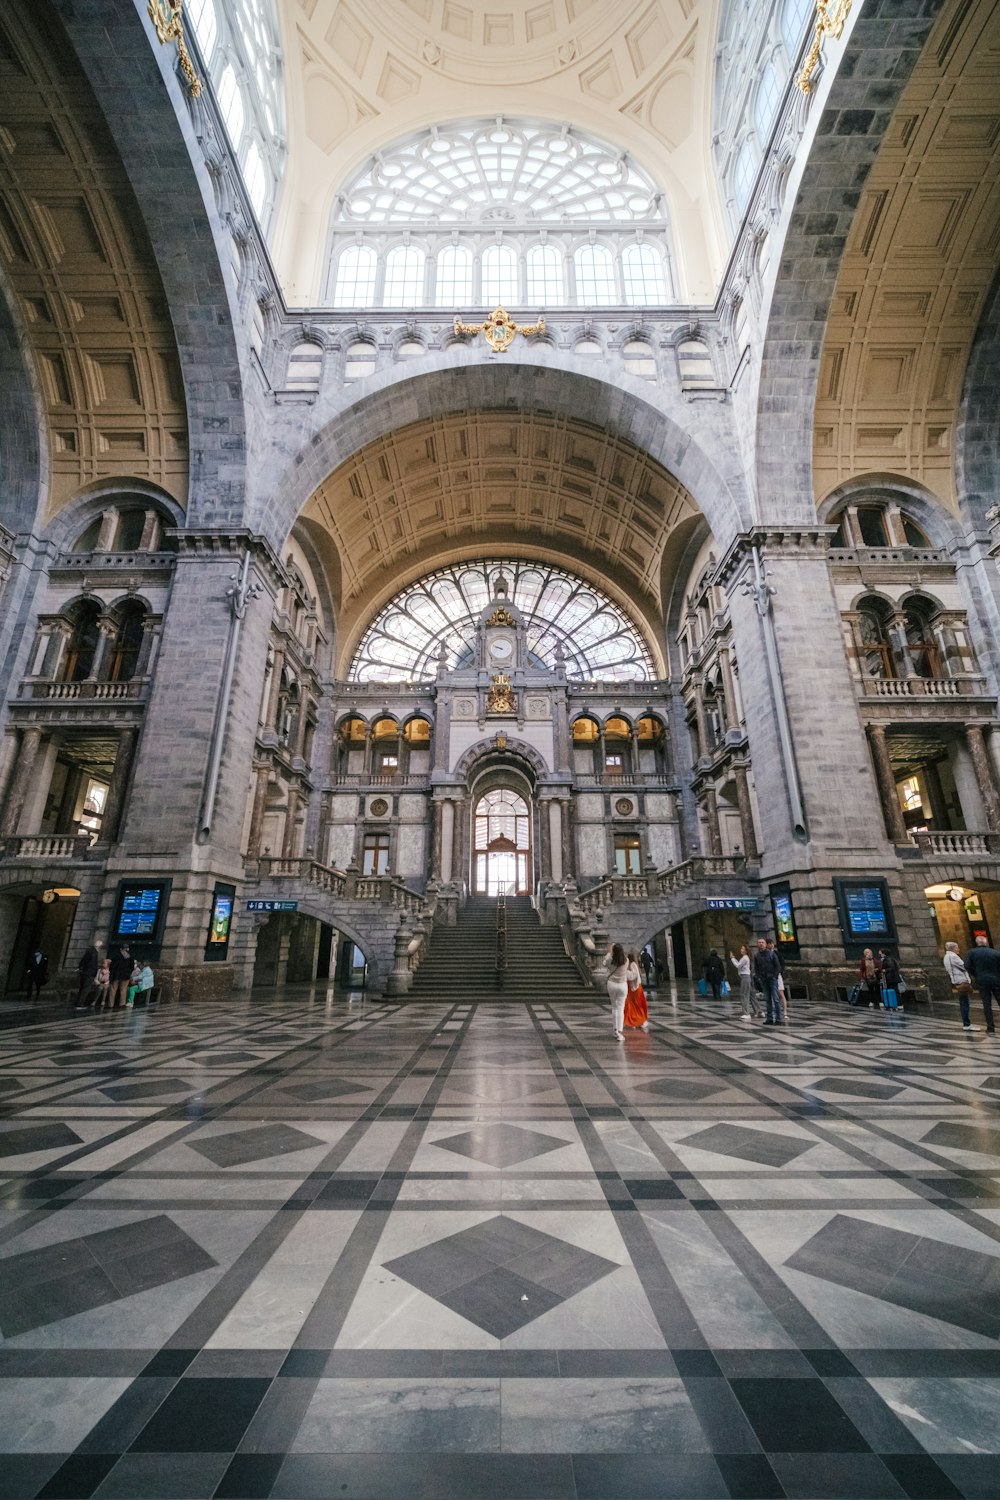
(865, 913)
(786, 933)
(220, 921)
(140, 915)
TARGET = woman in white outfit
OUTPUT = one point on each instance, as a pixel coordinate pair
(747, 1001)
(618, 988)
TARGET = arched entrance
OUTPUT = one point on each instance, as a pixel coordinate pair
(501, 857)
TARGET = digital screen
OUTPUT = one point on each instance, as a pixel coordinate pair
(784, 920)
(866, 914)
(222, 916)
(140, 907)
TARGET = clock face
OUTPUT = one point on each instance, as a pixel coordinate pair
(500, 650)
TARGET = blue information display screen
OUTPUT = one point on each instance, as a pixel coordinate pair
(866, 914)
(140, 907)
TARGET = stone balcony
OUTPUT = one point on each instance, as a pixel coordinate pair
(35, 688)
(45, 847)
(952, 844)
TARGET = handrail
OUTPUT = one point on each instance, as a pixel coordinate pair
(501, 954)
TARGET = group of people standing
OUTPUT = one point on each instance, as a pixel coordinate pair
(981, 966)
(111, 982)
(625, 991)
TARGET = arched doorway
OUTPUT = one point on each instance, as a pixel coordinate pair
(501, 858)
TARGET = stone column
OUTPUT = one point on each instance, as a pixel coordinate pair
(31, 740)
(447, 839)
(436, 840)
(729, 690)
(106, 633)
(257, 816)
(291, 812)
(568, 861)
(115, 805)
(984, 776)
(750, 847)
(901, 646)
(555, 839)
(891, 810)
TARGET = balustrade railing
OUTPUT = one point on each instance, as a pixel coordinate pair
(921, 687)
(46, 846)
(501, 944)
(346, 884)
(955, 842)
(104, 692)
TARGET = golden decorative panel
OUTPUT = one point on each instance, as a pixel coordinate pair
(918, 265)
(90, 295)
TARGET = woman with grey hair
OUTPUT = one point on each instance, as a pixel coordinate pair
(960, 982)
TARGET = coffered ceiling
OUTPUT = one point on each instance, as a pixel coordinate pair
(917, 269)
(535, 485)
(361, 73)
(83, 276)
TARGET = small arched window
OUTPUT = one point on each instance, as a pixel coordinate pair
(876, 655)
(595, 276)
(255, 177)
(920, 640)
(744, 172)
(404, 276)
(794, 15)
(360, 360)
(231, 105)
(305, 366)
(78, 659)
(127, 644)
(694, 363)
(201, 14)
(545, 277)
(639, 358)
(914, 534)
(766, 103)
(585, 731)
(499, 276)
(643, 277)
(454, 277)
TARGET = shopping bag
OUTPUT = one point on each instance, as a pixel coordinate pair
(725, 987)
(702, 987)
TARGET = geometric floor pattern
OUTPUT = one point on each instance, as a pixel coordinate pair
(319, 1247)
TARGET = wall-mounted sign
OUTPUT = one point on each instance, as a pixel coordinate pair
(272, 906)
(732, 903)
(786, 934)
(219, 923)
(865, 913)
(141, 914)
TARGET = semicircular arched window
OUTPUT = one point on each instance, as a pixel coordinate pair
(568, 622)
(490, 196)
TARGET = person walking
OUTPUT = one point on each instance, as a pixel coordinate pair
(103, 985)
(121, 974)
(961, 984)
(617, 988)
(714, 971)
(870, 979)
(772, 947)
(86, 971)
(36, 973)
(742, 966)
(767, 972)
(983, 963)
(646, 964)
(636, 1009)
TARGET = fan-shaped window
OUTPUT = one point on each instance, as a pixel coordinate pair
(794, 15)
(499, 276)
(356, 269)
(744, 172)
(78, 658)
(568, 623)
(404, 276)
(767, 101)
(545, 277)
(454, 277)
(595, 277)
(871, 519)
(231, 105)
(643, 276)
(201, 14)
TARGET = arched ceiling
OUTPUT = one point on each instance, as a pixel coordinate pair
(918, 267)
(83, 275)
(361, 73)
(531, 484)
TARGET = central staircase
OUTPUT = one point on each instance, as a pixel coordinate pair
(461, 961)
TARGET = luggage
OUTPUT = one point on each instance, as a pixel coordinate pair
(891, 999)
(725, 987)
(854, 995)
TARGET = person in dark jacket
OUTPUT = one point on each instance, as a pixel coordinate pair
(714, 971)
(36, 973)
(892, 977)
(86, 971)
(983, 963)
(767, 972)
(121, 976)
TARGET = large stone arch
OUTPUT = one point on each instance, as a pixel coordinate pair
(878, 58)
(529, 378)
(977, 436)
(514, 749)
(24, 459)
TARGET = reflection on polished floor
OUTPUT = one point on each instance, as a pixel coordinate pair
(382, 1252)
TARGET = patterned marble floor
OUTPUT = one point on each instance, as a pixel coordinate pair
(323, 1249)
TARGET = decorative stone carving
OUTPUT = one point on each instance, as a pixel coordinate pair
(501, 698)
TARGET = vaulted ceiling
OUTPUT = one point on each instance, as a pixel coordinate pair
(532, 485)
(917, 269)
(361, 73)
(82, 276)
